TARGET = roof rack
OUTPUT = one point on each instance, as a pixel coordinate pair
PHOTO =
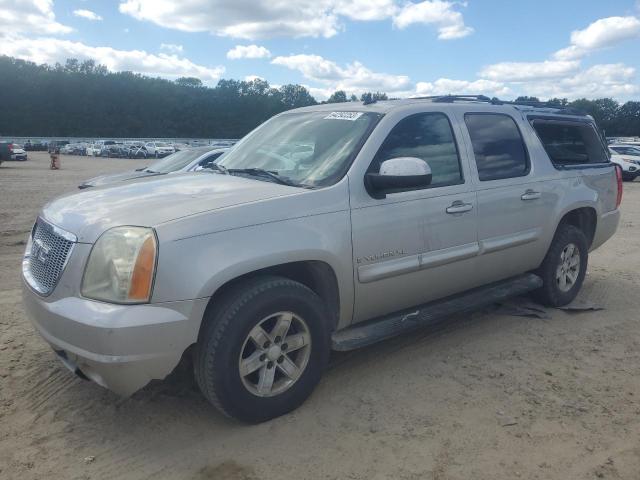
(453, 98)
(497, 101)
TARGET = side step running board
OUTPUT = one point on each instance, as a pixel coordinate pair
(381, 328)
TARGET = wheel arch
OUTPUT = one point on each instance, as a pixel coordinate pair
(585, 218)
(317, 275)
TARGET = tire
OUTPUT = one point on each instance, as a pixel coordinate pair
(554, 292)
(227, 338)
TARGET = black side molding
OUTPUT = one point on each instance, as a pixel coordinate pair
(381, 328)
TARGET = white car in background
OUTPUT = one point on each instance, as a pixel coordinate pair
(628, 157)
(159, 149)
(95, 149)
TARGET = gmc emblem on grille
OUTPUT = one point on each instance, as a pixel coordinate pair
(40, 251)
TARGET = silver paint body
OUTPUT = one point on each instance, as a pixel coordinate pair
(387, 254)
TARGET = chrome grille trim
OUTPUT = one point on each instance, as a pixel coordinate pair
(46, 256)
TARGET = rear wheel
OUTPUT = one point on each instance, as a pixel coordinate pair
(262, 352)
(564, 267)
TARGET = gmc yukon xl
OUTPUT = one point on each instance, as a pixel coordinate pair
(327, 227)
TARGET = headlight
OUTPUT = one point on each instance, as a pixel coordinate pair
(121, 266)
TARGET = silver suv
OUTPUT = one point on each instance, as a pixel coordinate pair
(328, 227)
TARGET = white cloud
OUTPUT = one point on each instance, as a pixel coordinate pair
(366, 10)
(171, 47)
(353, 78)
(251, 78)
(52, 50)
(450, 22)
(319, 94)
(30, 16)
(446, 86)
(248, 51)
(603, 80)
(87, 14)
(239, 18)
(252, 19)
(602, 33)
(527, 71)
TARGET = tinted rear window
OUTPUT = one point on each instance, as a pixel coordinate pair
(570, 143)
(497, 146)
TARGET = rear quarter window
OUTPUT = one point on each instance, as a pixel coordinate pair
(570, 143)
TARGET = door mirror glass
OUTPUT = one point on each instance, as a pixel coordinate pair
(397, 174)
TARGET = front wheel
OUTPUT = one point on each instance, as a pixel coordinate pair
(564, 267)
(262, 352)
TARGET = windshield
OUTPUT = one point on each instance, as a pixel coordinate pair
(626, 150)
(175, 161)
(310, 149)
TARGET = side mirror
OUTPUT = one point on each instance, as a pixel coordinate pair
(402, 173)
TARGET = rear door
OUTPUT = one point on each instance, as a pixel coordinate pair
(417, 245)
(513, 202)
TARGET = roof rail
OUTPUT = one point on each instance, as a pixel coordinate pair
(453, 98)
(497, 101)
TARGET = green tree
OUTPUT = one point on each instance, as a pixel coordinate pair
(192, 82)
(526, 99)
(369, 97)
(295, 96)
(339, 96)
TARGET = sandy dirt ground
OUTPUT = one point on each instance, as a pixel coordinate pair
(487, 396)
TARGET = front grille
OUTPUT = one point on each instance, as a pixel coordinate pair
(50, 249)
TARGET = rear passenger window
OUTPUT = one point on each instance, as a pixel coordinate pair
(427, 136)
(570, 143)
(497, 145)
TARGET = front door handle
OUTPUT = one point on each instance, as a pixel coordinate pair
(459, 207)
(530, 195)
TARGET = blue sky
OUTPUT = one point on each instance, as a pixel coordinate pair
(566, 48)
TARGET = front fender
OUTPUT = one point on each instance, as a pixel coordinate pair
(197, 267)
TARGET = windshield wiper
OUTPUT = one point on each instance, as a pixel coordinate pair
(260, 172)
(147, 170)
(219, 168)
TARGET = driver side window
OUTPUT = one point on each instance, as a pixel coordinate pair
(429, 137)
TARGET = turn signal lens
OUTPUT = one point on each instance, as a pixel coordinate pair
(142, 277)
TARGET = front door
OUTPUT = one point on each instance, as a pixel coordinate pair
(414, 246)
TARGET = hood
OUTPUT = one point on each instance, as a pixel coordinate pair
(115, 177)
(155, 200)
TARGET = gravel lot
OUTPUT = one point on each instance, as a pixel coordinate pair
(489, 396)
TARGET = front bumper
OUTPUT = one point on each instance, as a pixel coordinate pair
(121, 347)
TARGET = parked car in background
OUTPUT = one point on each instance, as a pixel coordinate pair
(94, 149)
(189, 160)
(159, 149)
(628, 150)
(12, 151)
(66, 149)
(115, 150)
(628, 157)
(137, 150)
(18, 153)
(5, 151)
(35, 146)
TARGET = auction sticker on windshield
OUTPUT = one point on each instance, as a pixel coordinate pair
(351, 116)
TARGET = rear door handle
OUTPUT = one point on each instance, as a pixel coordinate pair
(459, 207)
(530, 195)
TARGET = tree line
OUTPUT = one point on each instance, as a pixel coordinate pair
(84, 99)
